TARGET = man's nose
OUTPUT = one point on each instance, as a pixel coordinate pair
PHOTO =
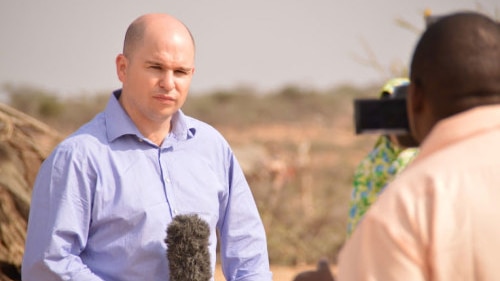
(167, 80)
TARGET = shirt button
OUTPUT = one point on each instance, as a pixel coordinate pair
(167, 180)
(139, 139)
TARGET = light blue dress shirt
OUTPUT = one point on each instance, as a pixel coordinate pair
(103, 199)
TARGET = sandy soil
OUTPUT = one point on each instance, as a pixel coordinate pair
(280, 273)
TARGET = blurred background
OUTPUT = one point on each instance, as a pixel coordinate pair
(69, 47)
(277, 78)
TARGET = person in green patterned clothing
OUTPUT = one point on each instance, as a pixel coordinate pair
(390, 155)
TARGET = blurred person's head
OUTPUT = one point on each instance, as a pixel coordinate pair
(396, 88)
(455, 67)
(155, 68)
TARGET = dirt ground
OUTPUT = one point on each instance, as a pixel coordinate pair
(280, 273)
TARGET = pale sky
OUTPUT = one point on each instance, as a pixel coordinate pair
(69, 47)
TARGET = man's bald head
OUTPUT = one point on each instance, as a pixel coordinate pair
(137, 30)
(456, 63)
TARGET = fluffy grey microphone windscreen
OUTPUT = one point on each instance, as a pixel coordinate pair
(187, 249)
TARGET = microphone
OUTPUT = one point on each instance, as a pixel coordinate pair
(187, 249)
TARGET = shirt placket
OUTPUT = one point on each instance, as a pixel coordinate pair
(166, 180)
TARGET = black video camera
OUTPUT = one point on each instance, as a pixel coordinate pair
(387, 115)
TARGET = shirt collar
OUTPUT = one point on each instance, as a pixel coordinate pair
(118, 123)
(182, 129)
(458, 127)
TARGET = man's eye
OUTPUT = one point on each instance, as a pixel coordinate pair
(155, 67)
(181, 72)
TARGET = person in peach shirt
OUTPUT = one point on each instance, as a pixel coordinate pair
(440, 219)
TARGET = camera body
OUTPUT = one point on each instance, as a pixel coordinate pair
(387, 115)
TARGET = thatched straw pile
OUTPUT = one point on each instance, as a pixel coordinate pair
(24, 143)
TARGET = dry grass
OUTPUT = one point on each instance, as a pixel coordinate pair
(297, 147)
(304, 205)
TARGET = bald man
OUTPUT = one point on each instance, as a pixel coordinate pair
(440, 219)
(104, 198)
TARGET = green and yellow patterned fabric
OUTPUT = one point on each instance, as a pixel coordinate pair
(383, 163)
(377, 169)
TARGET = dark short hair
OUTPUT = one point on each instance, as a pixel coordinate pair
(456, 62)
(134, 35)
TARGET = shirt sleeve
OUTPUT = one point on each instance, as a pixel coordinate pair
(386, 245)
(59, 219)
(243, 239)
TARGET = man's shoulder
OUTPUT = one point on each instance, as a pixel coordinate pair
(92, 133)
(198, 123)
(203, 129)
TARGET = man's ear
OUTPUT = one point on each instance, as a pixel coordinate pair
(121, 66)
(415, 107)
(415, 99)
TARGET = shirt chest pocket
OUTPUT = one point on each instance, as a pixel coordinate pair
(129, 192)
(195, 188)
